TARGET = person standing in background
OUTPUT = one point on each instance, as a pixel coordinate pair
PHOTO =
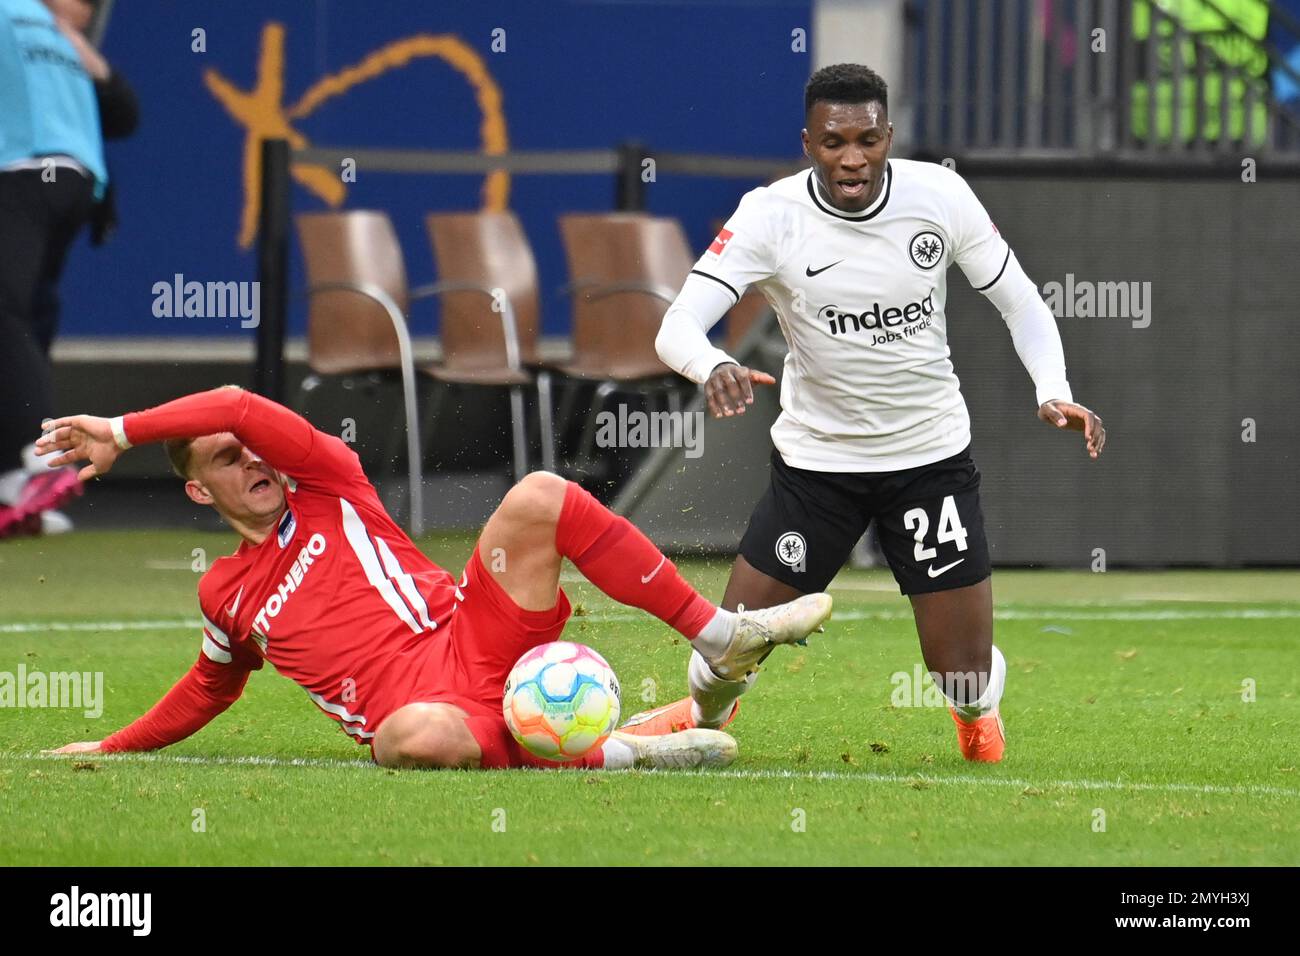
(59, 99)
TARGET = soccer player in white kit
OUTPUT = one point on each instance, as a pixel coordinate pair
(853, 256)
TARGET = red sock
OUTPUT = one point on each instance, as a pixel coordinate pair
(614, 555)
(500, 749)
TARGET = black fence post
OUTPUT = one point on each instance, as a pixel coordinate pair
(629, 194)
(272, 270)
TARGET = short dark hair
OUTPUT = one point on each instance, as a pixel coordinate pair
(178, 453)
(845, 83)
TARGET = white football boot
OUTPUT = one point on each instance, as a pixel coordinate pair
(758, 632)
(680, 751)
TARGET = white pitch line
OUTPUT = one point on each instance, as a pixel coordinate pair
(808, 776)
(28, 627)
(969, 779)
(169, 565)
(1037, 614)
(318, 762)
(1001, 614)
(851, 585)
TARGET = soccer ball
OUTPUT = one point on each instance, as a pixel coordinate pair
(561, 701)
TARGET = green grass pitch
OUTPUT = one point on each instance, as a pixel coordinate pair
(1131, 735)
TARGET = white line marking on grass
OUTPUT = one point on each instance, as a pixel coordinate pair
(1046, 614)
(329, 763)
(1036, 614)
(969, 779)
(810, 776)
(616, 617)
(29, 627)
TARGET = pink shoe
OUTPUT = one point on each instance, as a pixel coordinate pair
(46, 491)
(43, 492)
(13, 523)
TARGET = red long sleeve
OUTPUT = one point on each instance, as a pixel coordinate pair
(282, 438)
(205, 691)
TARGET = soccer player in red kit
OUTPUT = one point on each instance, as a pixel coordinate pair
(406, 658)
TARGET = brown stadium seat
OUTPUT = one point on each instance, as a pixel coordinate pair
(356, 318)
(489, 315)
(355, 254)
(625, 269)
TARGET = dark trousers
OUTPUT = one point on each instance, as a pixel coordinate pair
(38, 222)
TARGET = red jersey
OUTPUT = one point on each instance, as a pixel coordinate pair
(337, 598)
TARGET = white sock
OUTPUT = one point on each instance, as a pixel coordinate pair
(618, 755)
(717, 634)
(988, 701)
(712, 697)
(11, 485)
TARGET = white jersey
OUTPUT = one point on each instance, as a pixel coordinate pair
(868, 384)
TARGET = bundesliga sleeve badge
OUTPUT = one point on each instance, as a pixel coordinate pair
(719, 244)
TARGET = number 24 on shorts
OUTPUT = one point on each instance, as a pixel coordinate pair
(950, 529)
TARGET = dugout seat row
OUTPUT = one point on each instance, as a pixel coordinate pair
(624, 271)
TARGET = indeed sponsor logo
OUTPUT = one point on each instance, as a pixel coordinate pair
(275, 603)
(908, 319)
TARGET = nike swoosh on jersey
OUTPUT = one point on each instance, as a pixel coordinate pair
(650, 577)
(810, 271)
(947, 567)
(235, 607)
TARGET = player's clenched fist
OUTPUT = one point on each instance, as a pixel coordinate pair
(730, 388)
(1076, 418)
(80, 438)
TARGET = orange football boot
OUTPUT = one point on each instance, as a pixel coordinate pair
(668, 719)
(984, 740)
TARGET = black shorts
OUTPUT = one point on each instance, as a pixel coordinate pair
(928, 519)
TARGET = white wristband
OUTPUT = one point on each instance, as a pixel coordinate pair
(119, 433)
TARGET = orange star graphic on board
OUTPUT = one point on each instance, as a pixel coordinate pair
(264, 115)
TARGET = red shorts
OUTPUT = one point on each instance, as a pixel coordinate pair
(469, 658)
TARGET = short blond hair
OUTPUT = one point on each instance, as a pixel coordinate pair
(179, 452)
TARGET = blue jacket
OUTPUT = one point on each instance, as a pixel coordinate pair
(47, 99)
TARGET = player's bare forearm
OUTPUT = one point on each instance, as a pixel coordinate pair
(1074, 417)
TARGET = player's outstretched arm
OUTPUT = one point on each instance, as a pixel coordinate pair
(683, 345)
(205, 692)
(992, 269)
(284, 439)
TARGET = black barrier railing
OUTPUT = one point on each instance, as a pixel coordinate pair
(272, 270)
(625, 161)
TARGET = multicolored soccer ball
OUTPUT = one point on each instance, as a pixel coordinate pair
(562, 700)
